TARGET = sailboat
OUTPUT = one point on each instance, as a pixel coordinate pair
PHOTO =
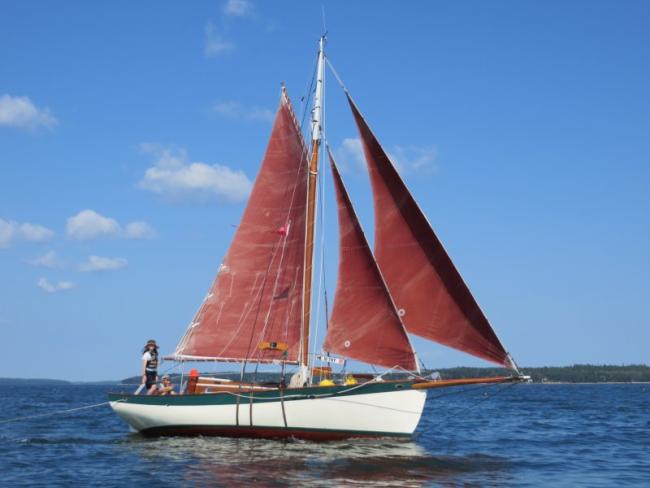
(258, 309)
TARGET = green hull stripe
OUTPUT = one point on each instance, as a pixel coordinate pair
(228, 398)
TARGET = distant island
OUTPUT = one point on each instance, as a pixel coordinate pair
(578, 373)
(50, 382)
(33, 382)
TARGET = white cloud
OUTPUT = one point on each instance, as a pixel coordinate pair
(47, 260)
(138, 230)
(98, 263)
(413, 158)
(7, 233)
(236, 110)
(35, 232)
(406, 159)
(238, 8)
(48, 287)
(89, 224)
(350, 154)
(21, 112)
(215, 43)
(11, 231)
(173, 175)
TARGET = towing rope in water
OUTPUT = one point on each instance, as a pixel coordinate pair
(457, 412)
(58, 412)
(470, 389)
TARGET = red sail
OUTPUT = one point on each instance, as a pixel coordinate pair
(433, 299)
(364, 324)
(254, 308)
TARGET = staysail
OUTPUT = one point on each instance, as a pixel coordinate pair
(364, 324)
(434, 301)
(253, 310)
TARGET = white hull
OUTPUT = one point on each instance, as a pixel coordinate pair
(362, 414)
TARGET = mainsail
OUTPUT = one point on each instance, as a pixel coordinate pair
(432, 297)
(364, 324)
(257, 297)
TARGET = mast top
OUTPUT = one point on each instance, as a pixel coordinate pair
(317, 111)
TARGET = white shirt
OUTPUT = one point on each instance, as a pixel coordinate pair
(147, 357)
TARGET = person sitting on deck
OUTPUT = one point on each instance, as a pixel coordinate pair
(150, 366)
(167, 388)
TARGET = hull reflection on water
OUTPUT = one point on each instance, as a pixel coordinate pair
(233, 462)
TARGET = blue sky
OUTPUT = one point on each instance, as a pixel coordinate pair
(130, 133)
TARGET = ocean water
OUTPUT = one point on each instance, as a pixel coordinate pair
(521, 435)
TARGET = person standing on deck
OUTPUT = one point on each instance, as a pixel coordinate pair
(150, 366)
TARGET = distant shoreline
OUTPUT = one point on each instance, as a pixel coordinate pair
(52, 382)
(578, 374)
(575, 374)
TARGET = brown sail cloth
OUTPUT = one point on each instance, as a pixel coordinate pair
(364, 324)
(257, 296)
(433, 299)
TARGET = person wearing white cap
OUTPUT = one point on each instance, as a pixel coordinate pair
(150, 366)
(167, 388)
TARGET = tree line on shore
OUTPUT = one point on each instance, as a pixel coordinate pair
(577, 373)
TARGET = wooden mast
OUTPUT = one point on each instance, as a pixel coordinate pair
(311, 202)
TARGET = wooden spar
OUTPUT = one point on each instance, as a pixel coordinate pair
(311, 204)
(309, 249)
(468, 381)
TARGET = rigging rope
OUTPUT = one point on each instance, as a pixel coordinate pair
(305, 99)
(58, 412)
(468, 390)
(473, 405)
(301, 395)
(322, 282)
(336, 75)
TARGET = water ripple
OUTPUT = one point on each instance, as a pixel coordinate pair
(530, 435)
